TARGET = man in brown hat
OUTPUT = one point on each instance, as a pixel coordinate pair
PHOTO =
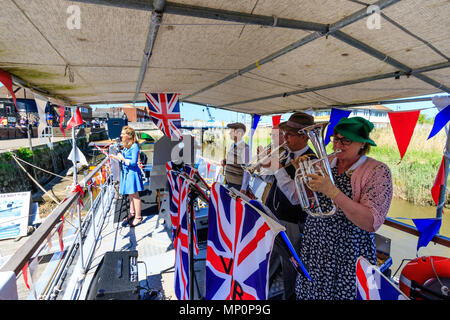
(237, 156)
(282, 199)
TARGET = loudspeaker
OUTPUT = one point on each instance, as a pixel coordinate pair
(115, 127)
(116, 278)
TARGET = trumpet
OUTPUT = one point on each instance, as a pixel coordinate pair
(321, 166)
(269, 153)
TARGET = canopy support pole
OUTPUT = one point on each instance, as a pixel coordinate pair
(155, 21)
(344, 83)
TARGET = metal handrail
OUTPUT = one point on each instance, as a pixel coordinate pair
(26, 251)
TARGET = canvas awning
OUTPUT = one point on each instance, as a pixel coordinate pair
(256, 56)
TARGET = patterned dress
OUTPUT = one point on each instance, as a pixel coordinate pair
(330, 248)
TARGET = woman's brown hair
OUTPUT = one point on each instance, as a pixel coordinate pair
(132, 134)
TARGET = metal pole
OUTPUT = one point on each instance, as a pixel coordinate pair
(191, 246)
(75, 182)
(340, 84)
(155, 21)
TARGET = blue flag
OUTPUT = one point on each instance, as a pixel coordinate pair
(440, 121)
(428, 228)
(335, 116)
(256, 118)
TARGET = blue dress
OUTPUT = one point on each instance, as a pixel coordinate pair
(131, 176)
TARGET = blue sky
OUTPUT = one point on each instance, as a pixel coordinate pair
(194, 112)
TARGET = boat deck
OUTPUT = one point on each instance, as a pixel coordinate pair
(151, 239)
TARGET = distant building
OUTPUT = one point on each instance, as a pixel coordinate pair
(377, 114)
(136, 113)
(132, 113)
(27, 108)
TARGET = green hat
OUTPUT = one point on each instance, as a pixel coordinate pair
(356, 129)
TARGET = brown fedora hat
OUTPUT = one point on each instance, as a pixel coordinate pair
(297, 121)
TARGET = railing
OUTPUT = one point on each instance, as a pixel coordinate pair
(23, 255)
(439, 239)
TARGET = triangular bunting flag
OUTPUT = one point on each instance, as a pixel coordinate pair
(41, 104)
(440, 121)
(77, 156)
(335, 116)
(428, 228)
(76, 120)
(62, 109)
(276, 120)
(403, 124)
(438, 182)
(25, 274)
(60, 235)
(6, 79)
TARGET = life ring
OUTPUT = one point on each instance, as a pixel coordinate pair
(420, 270)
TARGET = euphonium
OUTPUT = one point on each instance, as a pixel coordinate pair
(308, 198)
(268, 152)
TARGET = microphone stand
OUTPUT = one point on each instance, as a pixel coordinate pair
(286, 243)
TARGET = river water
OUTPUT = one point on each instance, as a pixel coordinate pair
(404, 209)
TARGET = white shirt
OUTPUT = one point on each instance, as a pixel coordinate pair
(284, 181)
(246, 177)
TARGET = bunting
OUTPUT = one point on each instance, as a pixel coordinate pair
(335, 116)
(62, 109)
(276, 120)
(403, 124)
(438, 182)
(440, 121)
(41, 104)
(6, 79)
(428, 228)
(75, 120)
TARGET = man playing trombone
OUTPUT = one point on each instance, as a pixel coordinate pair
(282, 199)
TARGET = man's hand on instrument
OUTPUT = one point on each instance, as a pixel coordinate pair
(323, 184)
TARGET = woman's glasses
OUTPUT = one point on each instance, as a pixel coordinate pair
(344, 141)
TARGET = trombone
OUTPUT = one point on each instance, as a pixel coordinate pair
(269, 153)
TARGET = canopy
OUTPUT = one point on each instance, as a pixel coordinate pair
(254, 56)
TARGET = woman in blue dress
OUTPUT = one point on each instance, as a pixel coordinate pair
(131, 177)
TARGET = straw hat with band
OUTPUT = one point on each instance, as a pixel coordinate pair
(297, 121)
(356, 129)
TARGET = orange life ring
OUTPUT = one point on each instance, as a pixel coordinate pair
(421, 270)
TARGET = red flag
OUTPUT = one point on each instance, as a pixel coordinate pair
(403, 124)
(208, 165)
(276, 120)
(60, 235)
(6, 79)
(76, 120)
(25, 274)
(438, 182)
(61, 119)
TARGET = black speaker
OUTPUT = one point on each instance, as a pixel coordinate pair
(116, 278)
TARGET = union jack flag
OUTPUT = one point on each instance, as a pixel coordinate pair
(371, 284)
(238, 250)
(165, 112)
(172, 178)
(178, 193)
